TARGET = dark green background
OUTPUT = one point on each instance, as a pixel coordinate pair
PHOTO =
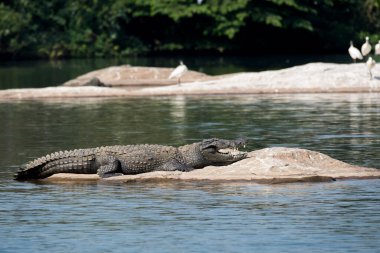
(109, 28)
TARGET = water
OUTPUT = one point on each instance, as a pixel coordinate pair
(192, 217)
(342, 216)
(21, 74)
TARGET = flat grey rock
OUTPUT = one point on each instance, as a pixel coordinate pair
(269, 165)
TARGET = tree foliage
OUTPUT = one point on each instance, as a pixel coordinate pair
(100, 28)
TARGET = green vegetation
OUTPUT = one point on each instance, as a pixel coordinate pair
(109, 28)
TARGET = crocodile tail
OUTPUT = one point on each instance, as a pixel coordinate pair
(26, 174)
(40, 168)
(31, 170)
(72, 161)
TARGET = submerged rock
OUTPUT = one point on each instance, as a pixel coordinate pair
(270, 165)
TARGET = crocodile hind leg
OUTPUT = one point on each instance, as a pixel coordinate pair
(173, 165)
(111, 169)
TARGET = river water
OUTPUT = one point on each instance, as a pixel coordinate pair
(342, 216)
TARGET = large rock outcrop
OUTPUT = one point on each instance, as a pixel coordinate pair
(309, 78)
(134, 77)
(270, 165)
(135, 81)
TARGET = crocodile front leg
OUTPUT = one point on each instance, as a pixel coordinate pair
(109, 167)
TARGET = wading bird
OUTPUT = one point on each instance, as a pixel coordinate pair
(377, 48)
(178, 72)
(354, 52)
(370, 64)
(366, 47)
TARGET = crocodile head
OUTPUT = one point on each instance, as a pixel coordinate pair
(221, 152)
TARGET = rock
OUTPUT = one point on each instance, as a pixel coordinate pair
(134, 77)
(309, 78)
(132, 81)
(61, 92)
(269, 165)
(94, 82)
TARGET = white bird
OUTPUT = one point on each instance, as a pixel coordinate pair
(354, 52)
(377, 48)
(366, 47)
(370, 64)
(178, 72)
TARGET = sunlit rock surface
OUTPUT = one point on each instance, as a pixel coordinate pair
(309, 78)
(134, 77)
(135, 81)
(270, 165)
(61, 92)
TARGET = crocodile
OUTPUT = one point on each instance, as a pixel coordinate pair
(111, 161)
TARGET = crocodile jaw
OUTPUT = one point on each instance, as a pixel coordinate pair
(230, 151)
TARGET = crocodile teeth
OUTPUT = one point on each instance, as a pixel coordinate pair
(234, 151)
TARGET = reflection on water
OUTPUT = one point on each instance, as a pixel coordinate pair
(191, 217)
